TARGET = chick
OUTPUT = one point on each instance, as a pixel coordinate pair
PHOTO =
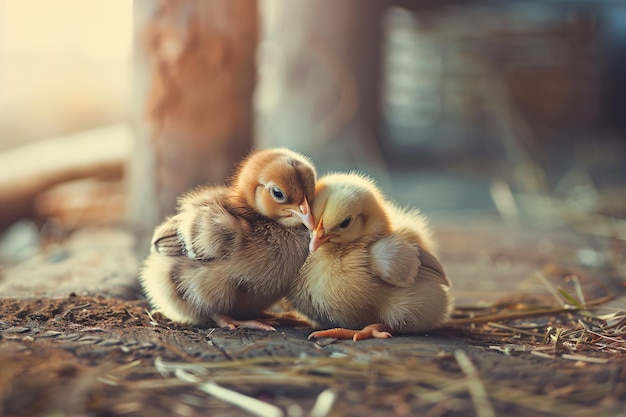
(231, 252)
(371, 265)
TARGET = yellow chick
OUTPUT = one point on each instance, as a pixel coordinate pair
(371, 271)
(231, 252)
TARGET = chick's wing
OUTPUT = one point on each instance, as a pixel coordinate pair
(395, 260)
(402, 263)
(165, 240)
(209, 226)
(432, 269)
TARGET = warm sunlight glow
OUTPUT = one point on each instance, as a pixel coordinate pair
(98, 29)
(64, 66)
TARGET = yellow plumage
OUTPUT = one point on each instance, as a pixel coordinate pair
(372, 263)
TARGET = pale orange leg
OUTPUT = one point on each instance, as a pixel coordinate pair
(286, 319)
(231, 323)
(376, 331)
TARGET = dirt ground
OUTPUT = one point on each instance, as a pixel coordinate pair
(87, 345)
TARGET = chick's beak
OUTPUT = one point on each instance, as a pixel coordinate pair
(319, 237)
(305, 215)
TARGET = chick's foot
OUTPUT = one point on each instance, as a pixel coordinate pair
(286, 319)
(231, 323)
(376, 331)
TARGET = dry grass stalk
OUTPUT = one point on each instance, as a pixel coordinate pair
(249, 404)
(323, 403)
(550, 288)
(479, 396)
(152, 320)
(529, 313)
(584, 358)
(539, 402)
(580, 329)
(589, 330)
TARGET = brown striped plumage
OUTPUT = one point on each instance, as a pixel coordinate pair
(231, 252)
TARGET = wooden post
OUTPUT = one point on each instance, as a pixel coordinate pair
(195, 75)
(320, 73)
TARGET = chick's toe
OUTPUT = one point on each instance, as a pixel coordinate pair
(231, 323)
(375, 331)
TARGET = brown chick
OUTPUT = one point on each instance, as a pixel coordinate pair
(371, 271)
(231, 252)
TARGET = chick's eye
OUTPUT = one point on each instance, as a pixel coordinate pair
(278, 194)
(346, 222)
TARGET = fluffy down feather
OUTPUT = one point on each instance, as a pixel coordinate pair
(372, 265)
(231, 252)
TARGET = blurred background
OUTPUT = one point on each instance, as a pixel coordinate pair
(513, 110)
